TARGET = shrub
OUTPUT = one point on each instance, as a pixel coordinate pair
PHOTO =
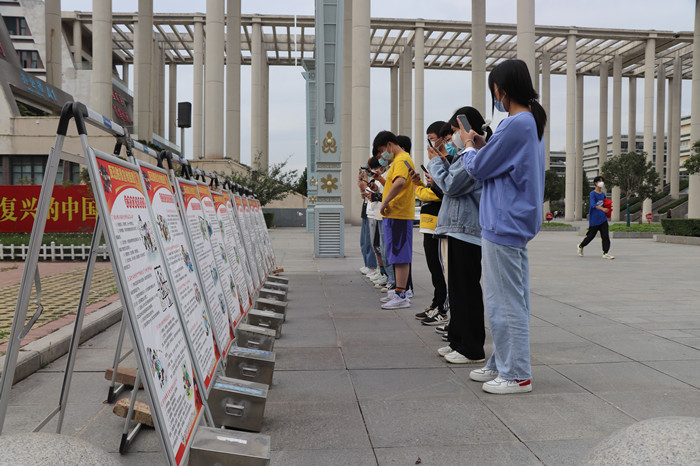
(681, 226)
(680, 201)
(269, 219)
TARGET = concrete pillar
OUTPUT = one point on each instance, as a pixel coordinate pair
(348, 184)
(125, 74)
(674, 134)
(54, 40)
(479, 55)
(101, 75)
(172, 103)
(418, 95)
(536, 77)
(265, 116)
(405, 91)
(143, 57)
(603, 121)
(632, 116)
(360, 92)
(616, 129)
(580, 188)
(660, 117)
(214, 81)
(233, 80)
(526, 34)
(256, 97)
(570, 197)
(394, 100)
(161, 93)
(198, 91)
(77, 42)
(694, 187)
(649, 61)
(155, 88)
(545, 99)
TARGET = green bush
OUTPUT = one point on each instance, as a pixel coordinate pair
(636, 227)
(556, 224)
(58, 238)
(680, 201)
(681, 226)
(269, 219)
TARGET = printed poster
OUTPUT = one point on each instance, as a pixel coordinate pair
(247, 240)
(254, 239)
(153, 315)
(223, 212)
(221, 256)
(179, 258)
(238, 235)
(200, 232)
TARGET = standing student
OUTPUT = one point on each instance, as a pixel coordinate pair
(511, 166)
(597, 219)
(398, 212)
(370, 261)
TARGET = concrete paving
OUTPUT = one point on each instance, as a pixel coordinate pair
(613, 343)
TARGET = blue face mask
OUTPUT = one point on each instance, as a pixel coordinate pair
(499, 105)
(451, 149)
(382, 161)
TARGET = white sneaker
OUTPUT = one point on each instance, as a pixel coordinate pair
(445, 350)
(579, 249)
(389, 296)
(397, 303)
(608, 256)
(409, 293)
(373, 273)
(483, 375)
(380, 280)
(456, 357)
(499, 386)
(364, 270)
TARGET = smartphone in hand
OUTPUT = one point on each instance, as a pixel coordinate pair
(465, 123)
(408, 165)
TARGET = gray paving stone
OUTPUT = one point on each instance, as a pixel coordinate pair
(409, 384)
(489, 454)
(546, 380)
(390, 357)
(379, 338)
(687, 371)
(295, 386)
(323, 457)
(305, 359)
(621, 376)
(656, 403)
(43, 448)
(562, 452)
(575, 353)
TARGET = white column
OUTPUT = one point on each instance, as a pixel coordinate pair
(694, 187)
(161, 94)
(360, 92)
(570, 197)
(603, 122)
(526, 34)
(78, 42)
(256, 96)
(479, 55)
(674, 135)
(102, 57)
(616, 129)
(214, 81)
(660, 117)
(143, 56)
(632, 116)
(265, 118)
(394, 100)
(198, 91)
(580, 189)
(54, 40)
(545, 99)
(172, 103)
(648, 111)
(125, 74)
(348, 184)
(233, 80)
(155, 88)
(418, 117)
(405, 91)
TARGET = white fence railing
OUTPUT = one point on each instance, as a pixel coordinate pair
(51, 252)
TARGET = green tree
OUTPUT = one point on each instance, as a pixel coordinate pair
(692, 163)
(554, 186)
(633, 174)
(267, 187)
(302, 187)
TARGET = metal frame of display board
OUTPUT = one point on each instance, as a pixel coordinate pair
(30, 274)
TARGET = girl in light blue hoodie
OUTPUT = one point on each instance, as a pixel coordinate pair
(511, 167)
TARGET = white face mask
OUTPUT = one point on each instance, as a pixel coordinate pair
(457, 140)
(601, 185)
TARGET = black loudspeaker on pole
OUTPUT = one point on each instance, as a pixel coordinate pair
(184, 114)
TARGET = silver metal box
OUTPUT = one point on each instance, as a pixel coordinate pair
(266, 319)
(271, 305)
(212, 447)
(277, 279)
(250, 336)
(269, 293)
(250, 364)
(276, 286)
(238, 404)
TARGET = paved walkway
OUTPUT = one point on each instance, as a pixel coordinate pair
(613, 342)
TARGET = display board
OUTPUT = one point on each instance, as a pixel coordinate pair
(224, 212)
(238, 234)
(198, 232)
(147, 295)
(177, 252)
(254, 239)
(223, 264)
(265, 244)
(247, 241)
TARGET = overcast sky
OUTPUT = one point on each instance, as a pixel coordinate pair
(442, 88)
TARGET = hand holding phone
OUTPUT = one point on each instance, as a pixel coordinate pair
(423, 168)
(408, 165)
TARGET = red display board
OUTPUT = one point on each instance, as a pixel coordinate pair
(72, 209)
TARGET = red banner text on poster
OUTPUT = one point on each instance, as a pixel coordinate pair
(72, 209)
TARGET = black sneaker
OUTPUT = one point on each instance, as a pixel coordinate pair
(443, 327)
(424, 313)
(434, 318)
(444, 337)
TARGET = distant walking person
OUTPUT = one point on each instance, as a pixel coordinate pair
(597, 219)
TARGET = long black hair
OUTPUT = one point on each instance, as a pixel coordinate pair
(476, 121)
(513, 78)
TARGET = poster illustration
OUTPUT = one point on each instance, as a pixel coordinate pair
(242, 257)
(247, 240)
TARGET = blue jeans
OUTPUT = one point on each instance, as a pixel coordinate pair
(391, 277)
(506, 276)
(366, 246)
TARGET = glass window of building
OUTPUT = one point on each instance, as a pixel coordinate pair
(27, 170)
(17, 26)
(29, 59)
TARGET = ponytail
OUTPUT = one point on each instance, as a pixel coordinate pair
(540, 117)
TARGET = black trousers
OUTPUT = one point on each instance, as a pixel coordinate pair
(604, 235)
(466, 332)
(431, 247)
